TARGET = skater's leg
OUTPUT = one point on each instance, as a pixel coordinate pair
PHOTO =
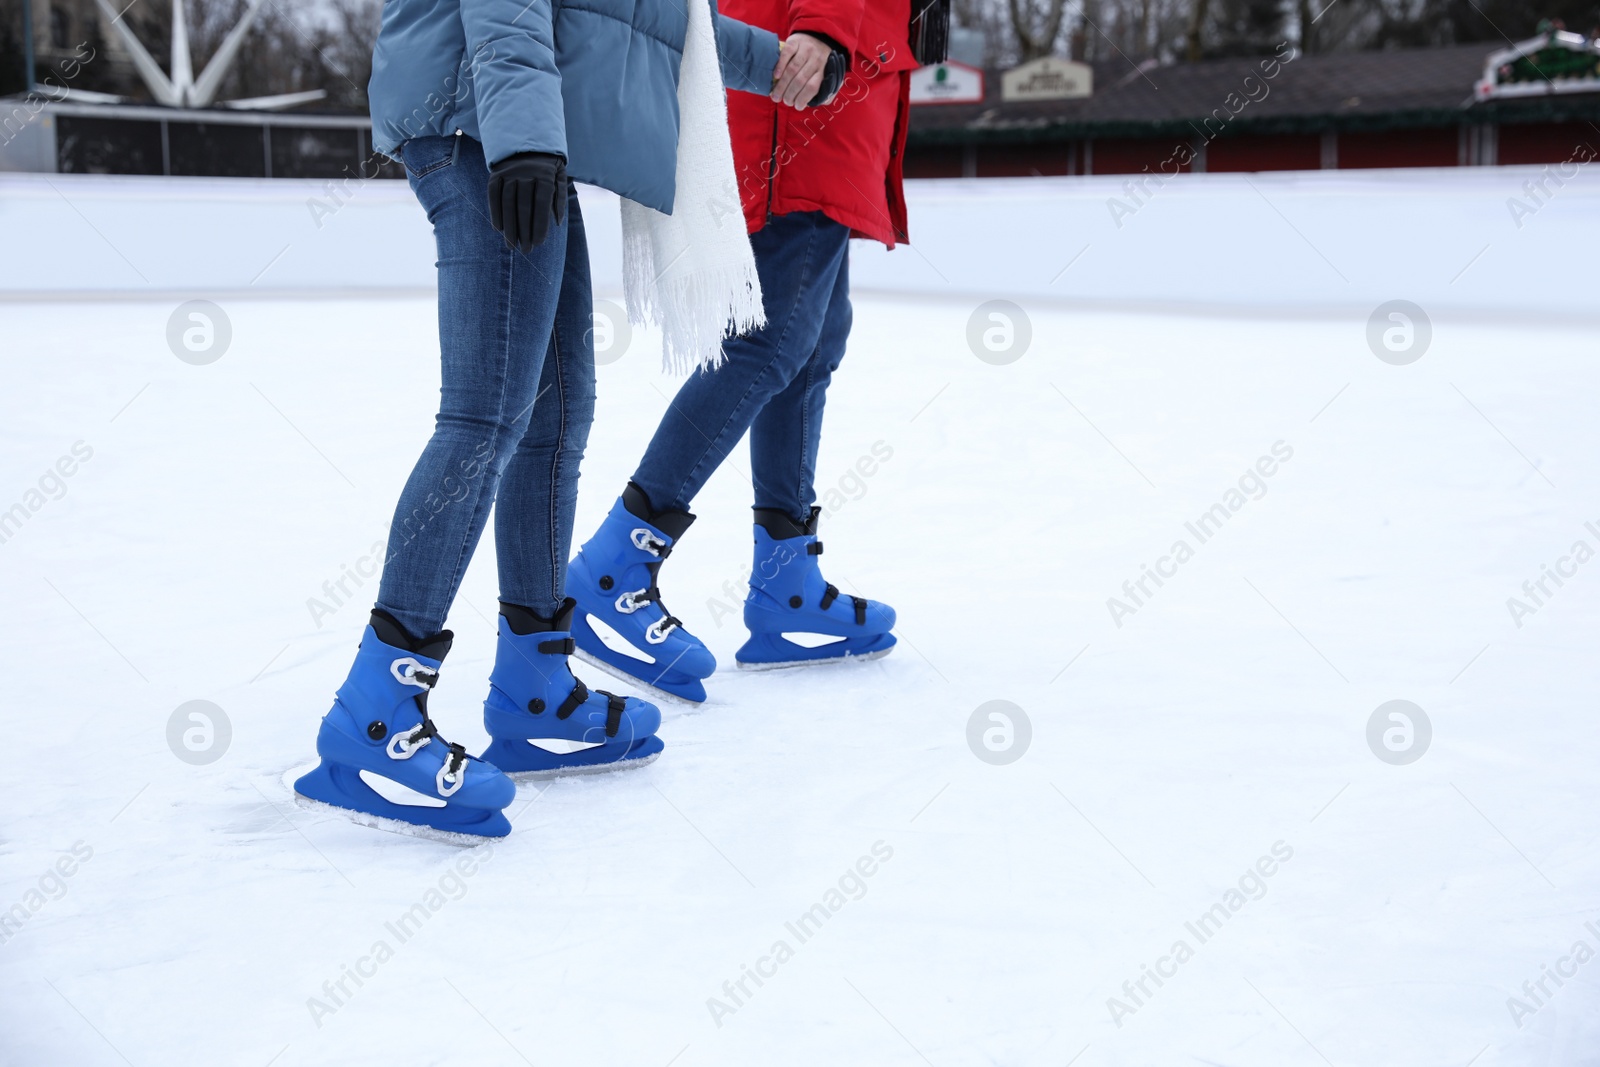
(798, 257)
(788, 593)
(539, 489)
(787, 432)
(533, 697)
(614, 579)
(496, 310)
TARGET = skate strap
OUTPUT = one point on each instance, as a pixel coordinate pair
(402, 745)
(558, 648)
(427, 731)
(651, 594)
(831, 593)
(814, 548)
(575, 699)
(615, 706)
(668, 620)
(579, 696)
(458, 756)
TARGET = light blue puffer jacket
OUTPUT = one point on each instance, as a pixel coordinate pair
(593, 80)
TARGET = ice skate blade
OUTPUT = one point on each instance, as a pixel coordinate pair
(572, 772)
(785, 665)
(393, 826)
(655, 692)
(341, 789)
(522, 760)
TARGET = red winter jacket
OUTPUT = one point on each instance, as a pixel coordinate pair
(844, 159)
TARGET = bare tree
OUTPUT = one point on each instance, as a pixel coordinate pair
(1174, 30)
(1194, 45)
(1147, 29)
(1036, 25)
(989, 18)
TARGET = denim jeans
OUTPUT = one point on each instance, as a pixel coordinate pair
(774, 381)
(517, 397)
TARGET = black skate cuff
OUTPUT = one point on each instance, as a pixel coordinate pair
(780, 527)
(392, 633)
(672, 523)
(524, 621)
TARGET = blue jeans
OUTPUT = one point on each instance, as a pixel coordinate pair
(517, 398)
(774, 382)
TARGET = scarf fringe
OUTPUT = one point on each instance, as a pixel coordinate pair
(696, 310)
(693, 272)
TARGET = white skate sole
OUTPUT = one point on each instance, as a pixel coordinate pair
(638, 683)
(378, 822)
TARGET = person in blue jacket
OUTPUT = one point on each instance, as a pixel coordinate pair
(495, 107)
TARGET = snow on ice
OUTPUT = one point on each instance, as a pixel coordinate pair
(1244, 711)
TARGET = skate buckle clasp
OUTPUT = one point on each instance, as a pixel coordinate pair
(646, 541)
(456, 780)
(408, 671)
(402, 746)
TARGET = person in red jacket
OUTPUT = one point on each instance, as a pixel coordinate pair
(842, 159)
(818, 162)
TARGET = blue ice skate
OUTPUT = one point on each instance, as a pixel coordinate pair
(621, 625)
(796, 617)
(543, 721)
(378, 733)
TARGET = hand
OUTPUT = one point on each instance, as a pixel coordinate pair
(803, 62)
(527, 191)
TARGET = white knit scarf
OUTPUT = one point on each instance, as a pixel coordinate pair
(693, 271)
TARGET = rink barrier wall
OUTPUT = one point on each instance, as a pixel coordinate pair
(1312, 244)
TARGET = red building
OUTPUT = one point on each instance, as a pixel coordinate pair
(1413, 108)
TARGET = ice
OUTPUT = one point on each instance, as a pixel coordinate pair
(1226, 716)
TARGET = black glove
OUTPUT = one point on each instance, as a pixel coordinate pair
(526, 191)
(833, 73)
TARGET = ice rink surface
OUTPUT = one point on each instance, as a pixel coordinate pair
(1195, 768)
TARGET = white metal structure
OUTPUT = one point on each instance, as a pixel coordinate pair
(182, 88)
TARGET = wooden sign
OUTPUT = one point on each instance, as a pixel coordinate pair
(947, 83)
(1048, 78)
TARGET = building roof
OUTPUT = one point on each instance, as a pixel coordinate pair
(1347, 90)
